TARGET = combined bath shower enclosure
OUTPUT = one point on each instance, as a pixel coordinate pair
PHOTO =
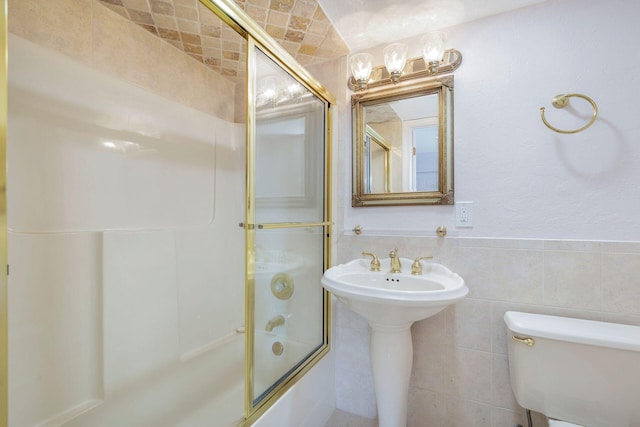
(161, 215)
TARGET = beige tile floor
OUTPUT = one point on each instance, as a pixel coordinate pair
(344, 419)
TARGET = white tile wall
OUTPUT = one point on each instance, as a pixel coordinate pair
(460, 372)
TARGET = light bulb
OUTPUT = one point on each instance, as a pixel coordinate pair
(433, 46)
(395, 57)
(361, 64)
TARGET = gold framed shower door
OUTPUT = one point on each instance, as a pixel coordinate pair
(258, 38)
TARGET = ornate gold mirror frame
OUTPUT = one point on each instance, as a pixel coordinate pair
(442, 88)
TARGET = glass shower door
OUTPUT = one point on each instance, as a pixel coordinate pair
(288, 242)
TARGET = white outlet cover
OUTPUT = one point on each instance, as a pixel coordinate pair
(464, 214)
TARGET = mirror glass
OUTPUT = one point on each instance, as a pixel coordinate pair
(403, 145)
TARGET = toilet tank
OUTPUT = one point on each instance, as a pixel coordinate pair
(580, 371)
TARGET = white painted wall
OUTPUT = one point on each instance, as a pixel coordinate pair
(524, 180)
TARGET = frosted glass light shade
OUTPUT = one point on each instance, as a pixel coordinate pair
(433, 46)
(395, 57)
(361, 64)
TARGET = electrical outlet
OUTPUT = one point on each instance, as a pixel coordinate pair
(464, 214)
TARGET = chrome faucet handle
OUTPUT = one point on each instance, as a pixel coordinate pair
(375, 262)
(416, 267)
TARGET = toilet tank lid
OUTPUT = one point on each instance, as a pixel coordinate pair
(590, 332)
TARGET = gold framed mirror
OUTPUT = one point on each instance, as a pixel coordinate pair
(403, 144)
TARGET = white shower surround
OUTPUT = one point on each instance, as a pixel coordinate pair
(128, 277)
(113, 241)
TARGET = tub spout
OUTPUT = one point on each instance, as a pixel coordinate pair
(276, 321)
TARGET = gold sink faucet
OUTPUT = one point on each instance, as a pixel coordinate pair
(396, 267)
(416, 267)
(375, 262)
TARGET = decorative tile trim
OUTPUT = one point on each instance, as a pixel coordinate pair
(300, 26)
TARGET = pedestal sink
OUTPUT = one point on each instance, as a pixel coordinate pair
(391, 302)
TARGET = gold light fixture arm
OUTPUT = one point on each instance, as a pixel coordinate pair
(561, 101)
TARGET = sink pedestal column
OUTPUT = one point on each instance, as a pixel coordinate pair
(391, 359)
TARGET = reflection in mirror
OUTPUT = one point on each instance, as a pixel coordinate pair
(377, 154)
(289, 143)
(403, 145)
(420, 136)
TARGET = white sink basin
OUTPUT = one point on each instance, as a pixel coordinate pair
(392, 299)
(391, 302)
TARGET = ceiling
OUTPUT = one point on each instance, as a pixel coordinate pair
(367, 23)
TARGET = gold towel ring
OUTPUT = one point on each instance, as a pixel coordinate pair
(561, 101)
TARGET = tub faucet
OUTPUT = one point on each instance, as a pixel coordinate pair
(396, 267)
(276, 321)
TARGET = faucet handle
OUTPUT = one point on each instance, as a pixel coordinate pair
(375, 262)
(416, 267)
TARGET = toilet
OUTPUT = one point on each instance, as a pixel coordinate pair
(576, 372)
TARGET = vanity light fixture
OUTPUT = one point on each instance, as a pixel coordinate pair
(361, 64)
(275, 92)
(295, 91)
(435, 60)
